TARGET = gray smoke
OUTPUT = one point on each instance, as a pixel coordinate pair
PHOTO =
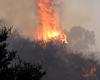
(56, 59)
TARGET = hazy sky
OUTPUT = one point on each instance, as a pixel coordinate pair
(22, 14)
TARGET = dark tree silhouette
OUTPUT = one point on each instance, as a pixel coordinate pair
(60, 63)
(6, 56)
(27, 71)
(10, 70)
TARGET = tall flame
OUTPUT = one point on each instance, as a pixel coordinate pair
(49, 28)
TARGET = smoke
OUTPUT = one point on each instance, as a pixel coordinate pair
(23, 14)
(59, 62)
(81, 39)
(83, 13)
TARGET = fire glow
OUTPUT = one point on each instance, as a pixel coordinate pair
(49, 29)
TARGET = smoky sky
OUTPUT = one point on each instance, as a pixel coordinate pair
(23, 15)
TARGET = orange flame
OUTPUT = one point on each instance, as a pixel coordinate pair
(49, 29)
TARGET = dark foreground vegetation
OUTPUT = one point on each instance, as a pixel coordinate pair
(60, 63)
(11, 66)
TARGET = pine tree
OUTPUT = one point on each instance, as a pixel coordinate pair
(6, 56)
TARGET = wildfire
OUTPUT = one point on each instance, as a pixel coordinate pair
(49, 29)
(90, 74)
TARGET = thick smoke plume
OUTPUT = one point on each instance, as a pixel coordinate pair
(58, 59)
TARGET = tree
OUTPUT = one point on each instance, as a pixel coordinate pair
(27, 71)
(60, 63)
(6, 56)
(10, 70)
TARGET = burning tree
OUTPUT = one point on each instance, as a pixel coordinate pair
(49, 29)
